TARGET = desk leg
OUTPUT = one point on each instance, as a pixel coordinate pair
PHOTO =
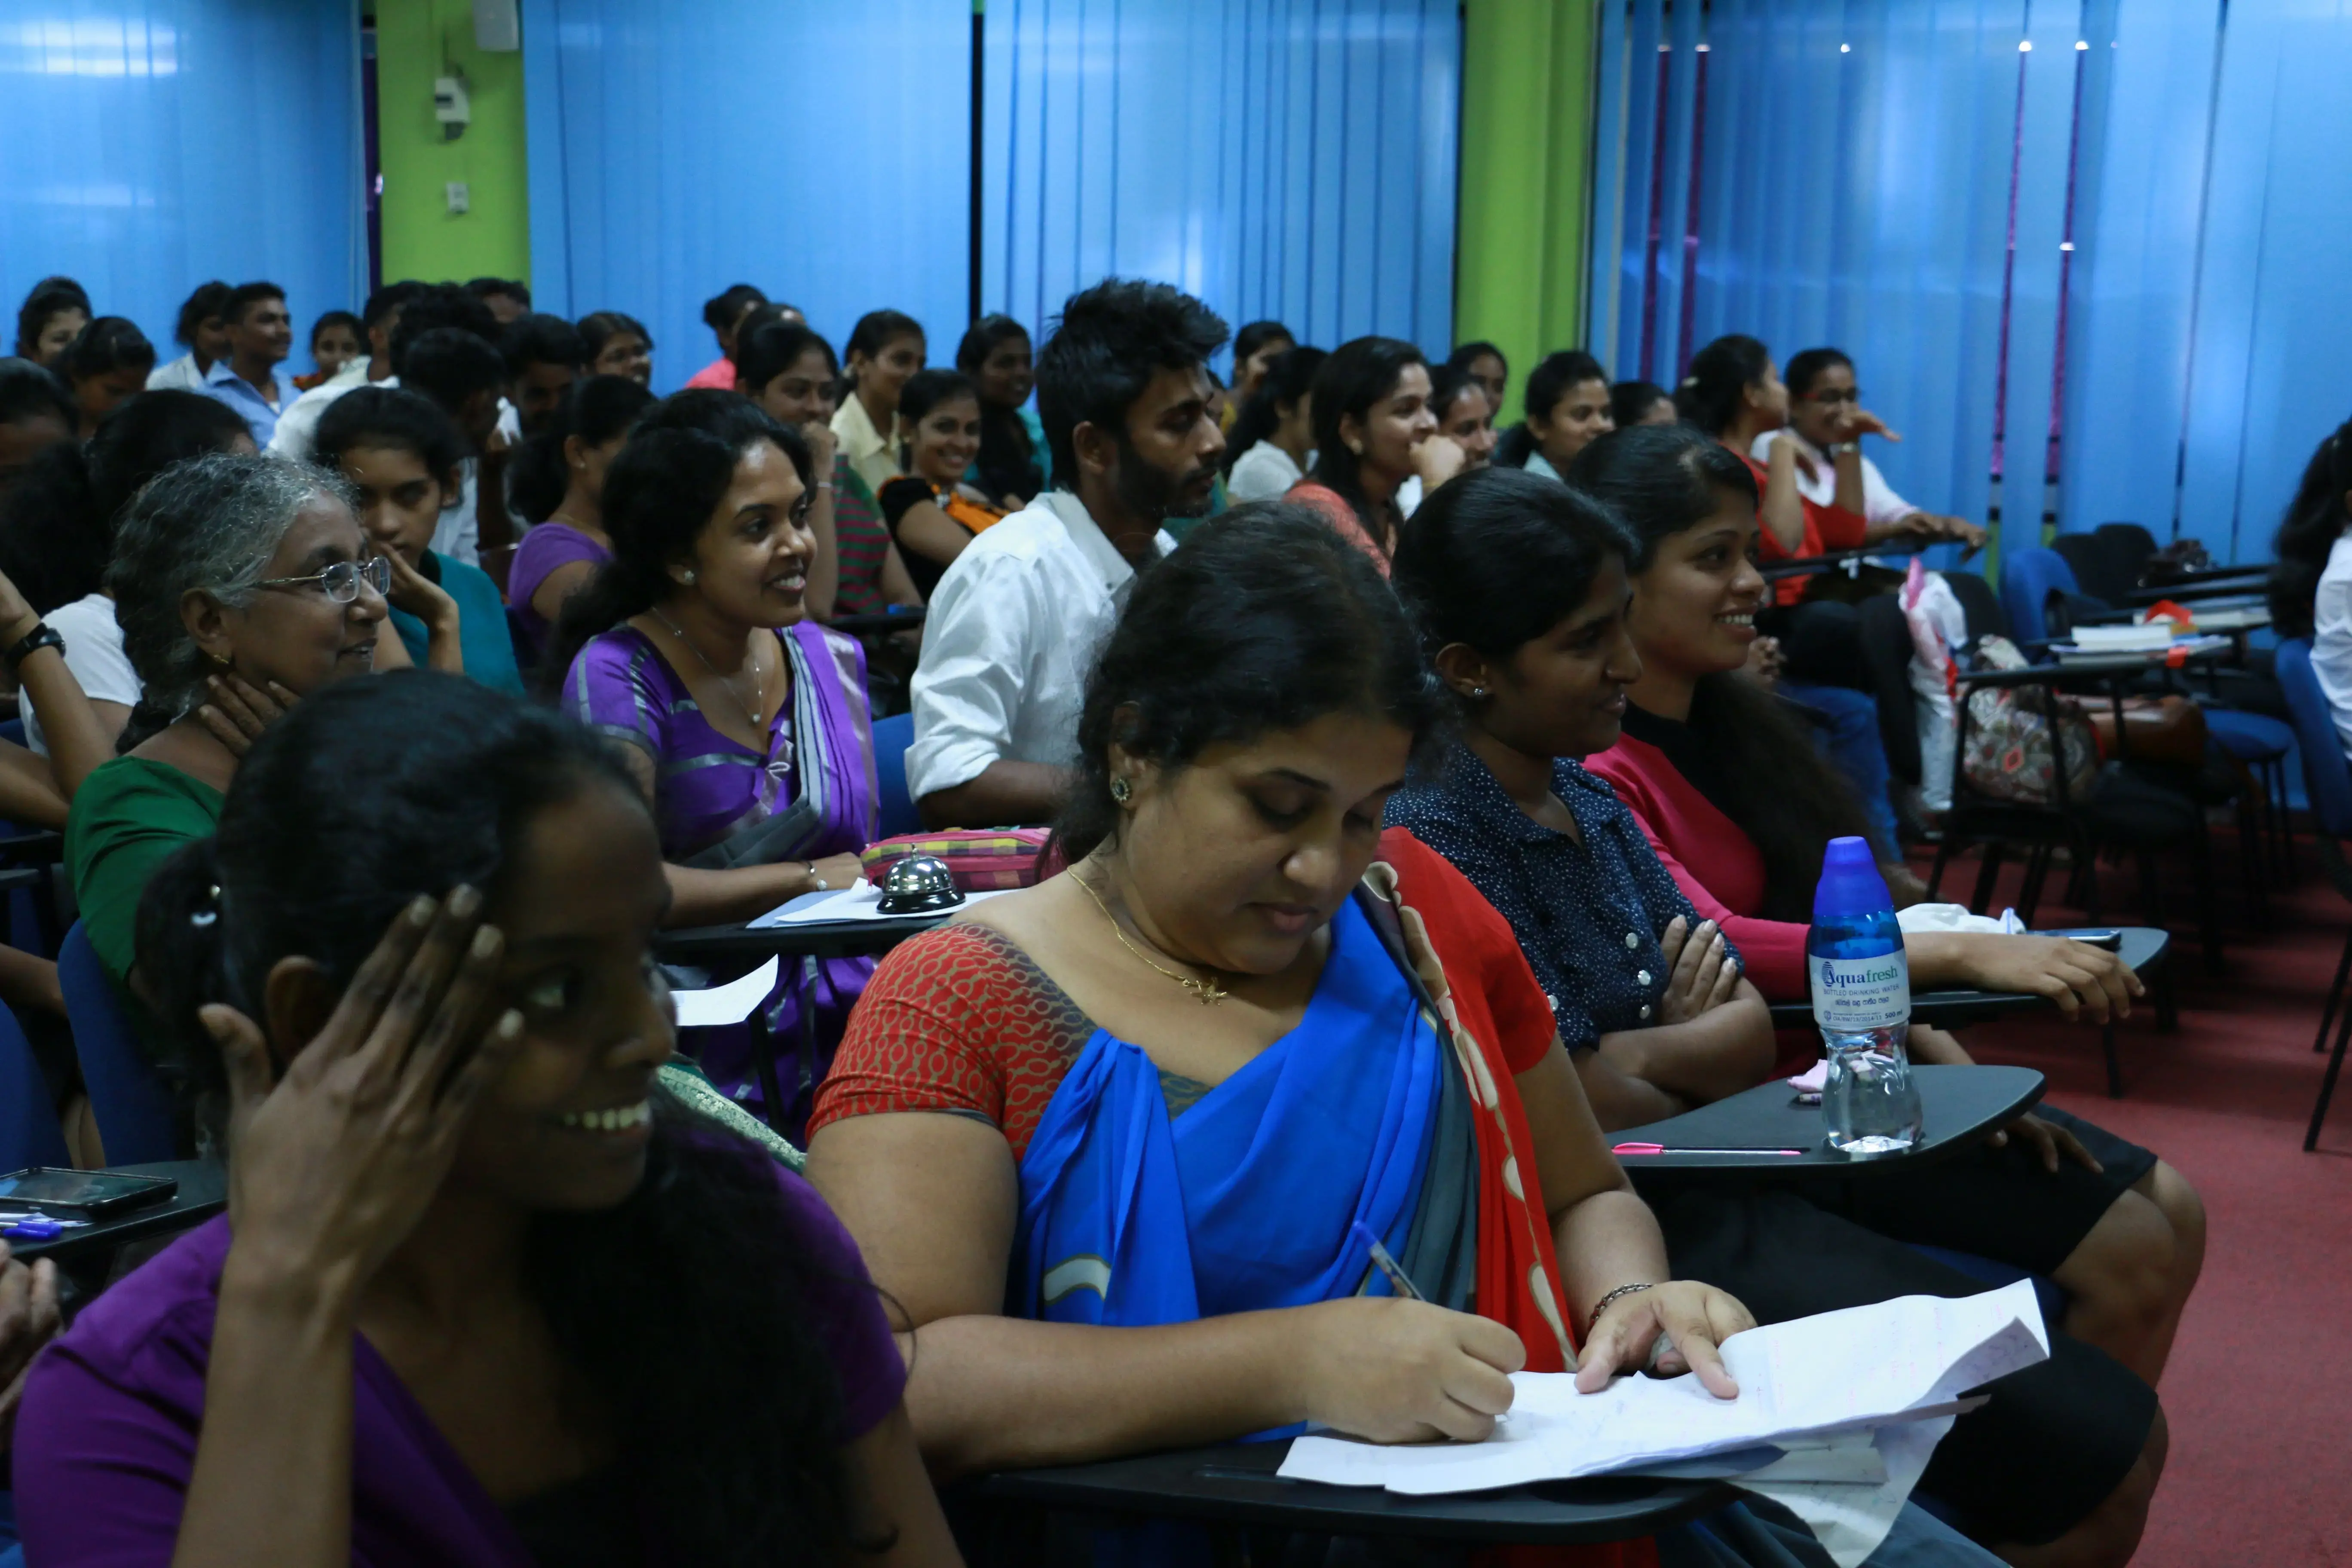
(2114, 1067)
(763, 1055)
(808, 1075)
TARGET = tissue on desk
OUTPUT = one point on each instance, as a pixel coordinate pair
(1905, 1359)
(1920, 919)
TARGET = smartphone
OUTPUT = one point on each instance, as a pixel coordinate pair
(81, 1194)
(2107, 937)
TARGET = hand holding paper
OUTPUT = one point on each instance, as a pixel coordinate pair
(1695, 1320)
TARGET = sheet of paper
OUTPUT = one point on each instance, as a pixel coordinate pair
(1850, 1521)
(1858, 1368)
(728, 1004)
(862, 902)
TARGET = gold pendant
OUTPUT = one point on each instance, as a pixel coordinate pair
(1210, 991)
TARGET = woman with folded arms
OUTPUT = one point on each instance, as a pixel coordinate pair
(489, 1295)
(744, 722)
(1105, 1138)
(1520, 587)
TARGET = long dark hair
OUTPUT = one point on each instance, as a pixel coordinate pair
(1266, 620)
(595, 408)
(108, 344)
(391, 418)
(1290, 377)
(376, 790)
(2314, 521)
(1357, 376)
(57, 528)
(877, 331)
(1774, 783)
(658, 494)
(1720, 375)
(1498, 557)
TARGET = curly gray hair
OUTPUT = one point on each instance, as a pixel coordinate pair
(210, 522)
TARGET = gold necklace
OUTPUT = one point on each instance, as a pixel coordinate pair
(757, 714)
(1209, 992)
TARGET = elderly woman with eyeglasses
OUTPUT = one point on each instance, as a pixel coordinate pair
(241, 584)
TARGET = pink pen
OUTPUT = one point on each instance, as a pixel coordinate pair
(1661, 1149)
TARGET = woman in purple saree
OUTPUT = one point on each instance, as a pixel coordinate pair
(746, 723)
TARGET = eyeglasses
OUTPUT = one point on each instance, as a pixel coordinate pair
(341, 580)
(1834, 394)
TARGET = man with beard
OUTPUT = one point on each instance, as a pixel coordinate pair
(1124, 395)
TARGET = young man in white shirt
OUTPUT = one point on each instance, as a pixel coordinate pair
(300, 423)
(1123, 392)
(1820, 382)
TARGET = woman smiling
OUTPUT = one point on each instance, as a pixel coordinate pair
(931, 513)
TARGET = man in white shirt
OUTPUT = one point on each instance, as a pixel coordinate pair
(202, 332)
(299, 425)
(1820, 382)
(1123, 392)
(463, 373)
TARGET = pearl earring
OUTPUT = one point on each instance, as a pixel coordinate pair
(1478, 691)
(686, 577)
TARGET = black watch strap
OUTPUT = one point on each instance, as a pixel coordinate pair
(40, 637)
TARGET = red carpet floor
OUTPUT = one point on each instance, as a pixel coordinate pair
(2259, 1391)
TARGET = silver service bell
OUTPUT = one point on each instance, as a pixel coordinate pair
(918, 885)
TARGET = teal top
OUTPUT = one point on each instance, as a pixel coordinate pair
(482, 635)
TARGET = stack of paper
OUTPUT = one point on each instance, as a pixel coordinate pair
(1900, 1360)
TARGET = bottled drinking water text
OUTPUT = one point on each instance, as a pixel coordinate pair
(1861, 1000)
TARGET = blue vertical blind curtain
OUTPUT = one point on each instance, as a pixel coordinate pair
(821, 151)
(151, 144)
(1290, 159)
(2088, 250)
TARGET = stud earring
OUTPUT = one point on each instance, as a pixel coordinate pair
(685, 578)
(1478, 691)
(1120, 791)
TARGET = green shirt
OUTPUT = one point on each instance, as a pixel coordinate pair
(128, 817)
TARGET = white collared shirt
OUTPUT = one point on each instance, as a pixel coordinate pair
(1262, 473)
(297, 425)
(176, 375)
(870, 454)
(1880, 504)
(1013, 631)
(2331, 637)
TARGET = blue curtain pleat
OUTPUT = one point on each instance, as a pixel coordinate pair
(819, 152)
(1292, 159)
(152, 144)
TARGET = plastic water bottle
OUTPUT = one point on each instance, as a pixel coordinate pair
(1861, 1000)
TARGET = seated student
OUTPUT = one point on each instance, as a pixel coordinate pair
(35, 415)
(379, 320)
(1011, 468)
(545, 356)
(57, 533)
(1464, 415)
(1821, 386)
(1255, 348)
(54, 312)
(402, 457)
(29, 1321)
(1520, 590)
(1632, 403)
(1268, 448)
(1374, 433)
(1487, 365)
(106, 365)
(507, 298)
(457, 369)
(930, 515)
(260, 336)
(338, 343)
(567, 461)
(1567, 405)
(1208, 1045)
(885, 347)
(617, 344)
(789, 370)
(2311, 585)
(1123, 389)
(200, 329)
(744, 722)
(521, 1307)
(724, 313)
(242, 583)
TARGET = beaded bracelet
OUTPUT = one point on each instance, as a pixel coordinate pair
(1602, 1305)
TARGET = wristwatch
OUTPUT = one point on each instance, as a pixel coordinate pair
(43, 634)
(1840, 449)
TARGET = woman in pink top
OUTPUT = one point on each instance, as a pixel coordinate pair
(723, 313)
(1374, 429)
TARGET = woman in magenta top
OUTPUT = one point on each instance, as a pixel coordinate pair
(492, 1296)
(560, 479)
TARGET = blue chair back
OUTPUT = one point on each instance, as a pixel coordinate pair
(892, 736)
(134, 1114)
(2326, 778)
(29, 1134)
(2028, 578)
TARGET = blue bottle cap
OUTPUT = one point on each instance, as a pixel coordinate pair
(1851, 885)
